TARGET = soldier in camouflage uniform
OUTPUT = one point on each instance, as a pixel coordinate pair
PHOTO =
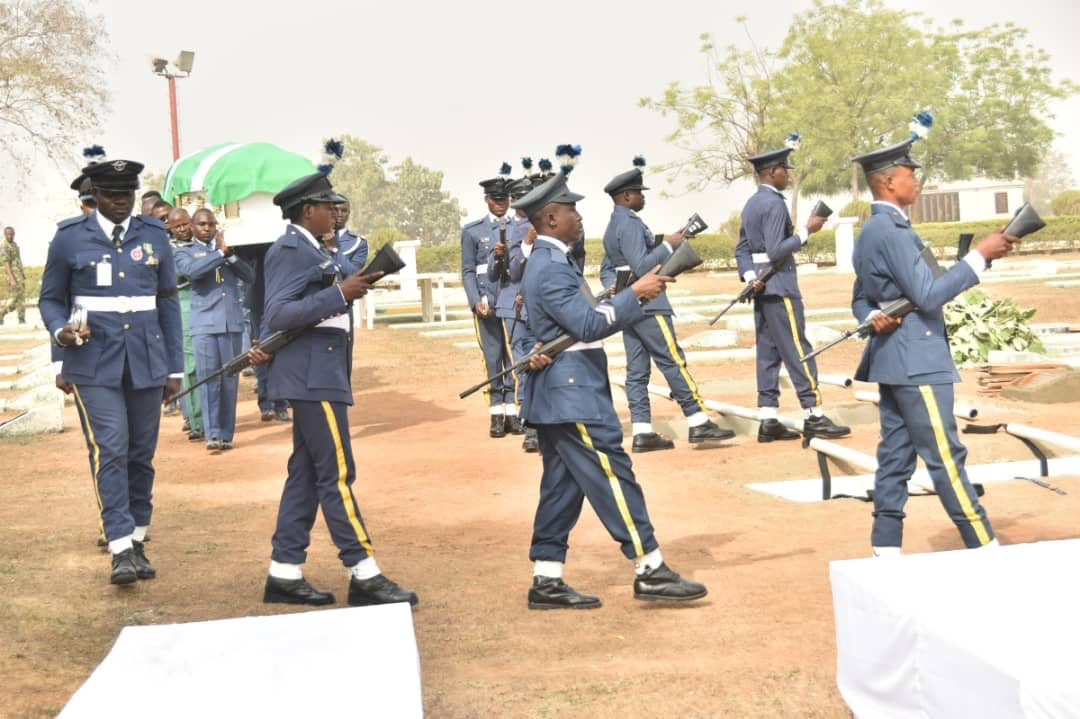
(15, 277)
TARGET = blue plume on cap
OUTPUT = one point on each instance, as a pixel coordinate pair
(793, 141)
(334, 147)
(920, 125)
(568, 157)
(545, 165)
(526, 162)
(639, 161)
(94, 154)
(505, 169)
(325, 169)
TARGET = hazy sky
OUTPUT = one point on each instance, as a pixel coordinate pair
(460, 87)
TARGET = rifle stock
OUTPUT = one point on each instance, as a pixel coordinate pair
(747, 292)
(897, 308)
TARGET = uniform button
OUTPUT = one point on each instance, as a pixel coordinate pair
(571, 380)
(120, 250)
(329, 349)
(222, 294)
(121, 274)
(127, 327)
(93, 264)
(929, 333)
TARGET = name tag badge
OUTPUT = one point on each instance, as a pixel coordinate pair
(104, 273)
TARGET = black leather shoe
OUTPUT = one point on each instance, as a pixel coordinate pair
(226, 444)
(531, 443)
(514, 425)
(194, 435)
(650, 442)
(143, 568)
(554, 593)
(498, 426)
(294, 591)
(378, 590)
(662, 584)
(709, 432)
(773, 429)
(267, 415)
(282, 415)
(123, 567)
(824, 427)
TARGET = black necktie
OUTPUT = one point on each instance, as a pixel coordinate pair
(117, 235)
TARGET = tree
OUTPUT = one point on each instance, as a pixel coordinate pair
(1054, 176)
(424, 211)
(52, 55)
(361, 175)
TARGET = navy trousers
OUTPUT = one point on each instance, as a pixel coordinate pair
(519, 342)
(918, 420)
(120, 425)
(654, 339)
(781, 337)
(492, 341)
(219, 396)
(321, 474)
(588, 461)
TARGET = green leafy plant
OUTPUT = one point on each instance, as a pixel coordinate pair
(977, 324)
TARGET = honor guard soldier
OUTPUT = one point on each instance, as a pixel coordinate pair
(569, 402)
(478, 239)
(216, 321)
(350, 245)
(910, 358)
(306, 291)
(114, 274)
(767, 238)
(629, 245)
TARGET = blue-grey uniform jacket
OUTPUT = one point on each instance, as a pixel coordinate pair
(766, 236)
(135, 320)
(629, 243)
(354, 247)
(315, 366)
(888, 265)
(478, 239)
(216, 297)
(574, 388)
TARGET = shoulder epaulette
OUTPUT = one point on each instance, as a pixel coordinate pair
(473, 223)
(70, 221)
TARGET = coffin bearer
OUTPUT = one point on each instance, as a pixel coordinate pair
(629, 244)
(216, 321)
(569, 402)
(303, 286)
(127, 358)
(767, 237)
(179, 226)
(478, 239)
(910, 359)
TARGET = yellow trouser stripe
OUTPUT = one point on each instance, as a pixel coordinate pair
(89, 431)
(510, 357)
(343, 473)
(483, 359)
(673, 348)
(799, 348)
(950, 464)
(616, 489)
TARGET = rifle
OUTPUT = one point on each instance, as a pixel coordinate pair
(682, 259)
(502, 264)
(1023, 223)
(820, 210)
(386, 260)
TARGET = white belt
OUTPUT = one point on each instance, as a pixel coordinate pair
(760, 258)
(481, 268)
(141, 303)
(578, 346)
(341, 322)
(620, 268)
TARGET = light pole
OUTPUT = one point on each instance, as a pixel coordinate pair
(181, 67)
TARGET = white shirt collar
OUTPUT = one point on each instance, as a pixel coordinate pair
(889, 204)
(209, 245)
(311, 238)
(766, 184)
(107, 225)
(495, 220)
(559, 244)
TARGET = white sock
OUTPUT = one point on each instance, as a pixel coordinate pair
(697, 419)
(813, 412)
(766, 413)
(547, 568)
(641, 428)
(140, 533)
(511, 410)
(364, 569)
(886, 551)
(496, 409)
(652, 560)
(281, 570)
(992, 543)
(120, 545)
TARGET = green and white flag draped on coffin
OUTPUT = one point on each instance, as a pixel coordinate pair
(230, 171)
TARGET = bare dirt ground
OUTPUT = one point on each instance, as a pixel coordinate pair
(450, 511)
